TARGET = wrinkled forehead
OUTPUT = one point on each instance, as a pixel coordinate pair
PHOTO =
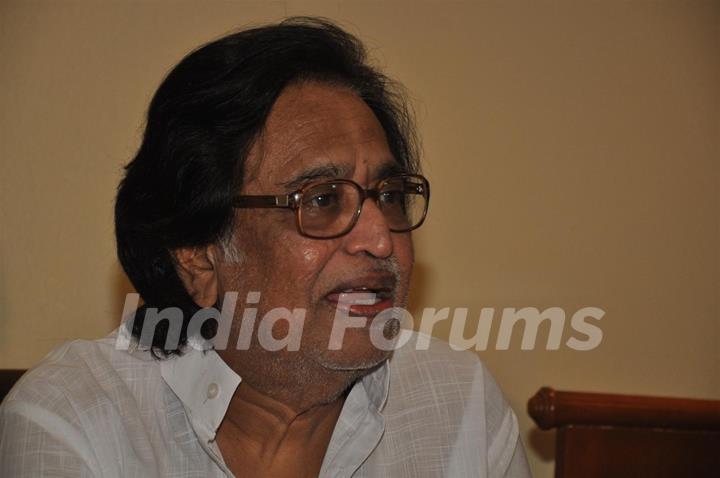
(313, 125)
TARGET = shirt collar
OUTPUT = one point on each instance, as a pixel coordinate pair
(204, 383)
(377, 386)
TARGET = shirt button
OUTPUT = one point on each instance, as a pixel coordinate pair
(213, 390)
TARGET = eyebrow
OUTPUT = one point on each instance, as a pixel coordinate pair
(327, 171)
(388, 169)
(332, 171)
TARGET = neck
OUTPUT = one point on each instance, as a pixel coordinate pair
(262, 436)
(273, 424)
(291, 381)
(281, 418)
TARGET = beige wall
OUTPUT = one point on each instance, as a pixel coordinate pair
(572, 148)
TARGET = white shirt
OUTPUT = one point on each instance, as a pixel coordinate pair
(90, 410)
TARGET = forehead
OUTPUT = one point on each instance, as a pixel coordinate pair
(313, 125)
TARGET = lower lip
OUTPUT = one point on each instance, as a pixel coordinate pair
(361, 310)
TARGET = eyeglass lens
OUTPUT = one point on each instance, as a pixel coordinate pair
(330, 209)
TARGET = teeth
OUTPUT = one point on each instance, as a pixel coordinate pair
(358, 289)
(359, 297)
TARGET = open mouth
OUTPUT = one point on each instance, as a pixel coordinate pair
(361, 301)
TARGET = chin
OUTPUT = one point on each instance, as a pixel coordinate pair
(358, 352)
(339, 362)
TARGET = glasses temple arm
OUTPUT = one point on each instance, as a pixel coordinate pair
(282, 201)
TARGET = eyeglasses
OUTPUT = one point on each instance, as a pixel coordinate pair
(329, 209)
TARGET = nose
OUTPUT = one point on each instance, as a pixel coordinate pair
(371, 233)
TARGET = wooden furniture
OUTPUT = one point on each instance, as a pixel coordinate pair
(8, 377)
(602, 435)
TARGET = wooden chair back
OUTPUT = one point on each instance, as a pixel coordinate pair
(603, 435)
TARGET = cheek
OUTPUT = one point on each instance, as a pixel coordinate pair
(300, 262)
(404, 252)
(311, 256)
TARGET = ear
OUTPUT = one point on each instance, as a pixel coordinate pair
(196, 267)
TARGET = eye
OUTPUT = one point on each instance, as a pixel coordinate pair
(393, 196)
(322, 198)
(322, 201)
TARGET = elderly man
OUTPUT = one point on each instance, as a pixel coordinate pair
(277, 167)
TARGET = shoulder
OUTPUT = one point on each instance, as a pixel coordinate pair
(78, 409)
(425, 360)
(424, 366)
(86, 385)
(79, 374)
(450, 395)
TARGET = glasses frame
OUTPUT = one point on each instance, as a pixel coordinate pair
(294, 200)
